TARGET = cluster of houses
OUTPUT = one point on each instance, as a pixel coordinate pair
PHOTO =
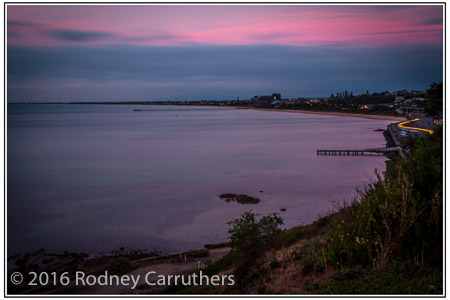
(275, 99)
(405, 102)
(407, 106)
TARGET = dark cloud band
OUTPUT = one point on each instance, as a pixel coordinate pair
(75, 35)
(296, 71)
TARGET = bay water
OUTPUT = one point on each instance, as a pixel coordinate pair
(95, 178)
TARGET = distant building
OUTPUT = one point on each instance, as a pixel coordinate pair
(266, 100)
(276, 96)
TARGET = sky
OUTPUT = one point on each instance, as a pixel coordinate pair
(217, 52)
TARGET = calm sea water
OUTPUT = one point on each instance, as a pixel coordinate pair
(96, 178)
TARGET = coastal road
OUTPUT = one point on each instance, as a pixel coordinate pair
(402, 125)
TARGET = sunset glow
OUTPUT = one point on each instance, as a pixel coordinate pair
(224, 50)
(269, 24)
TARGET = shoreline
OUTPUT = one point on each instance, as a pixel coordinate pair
(329, 113)
(337, 114)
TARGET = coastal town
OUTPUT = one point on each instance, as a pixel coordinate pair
(398, 103)
(403, 103)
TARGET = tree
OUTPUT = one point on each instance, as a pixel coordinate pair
(435, 99)
(250, 238)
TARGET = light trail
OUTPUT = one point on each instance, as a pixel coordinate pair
(401, 125)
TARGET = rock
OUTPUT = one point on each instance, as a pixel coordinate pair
(239, 198)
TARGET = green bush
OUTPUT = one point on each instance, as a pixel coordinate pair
(250, 238)
(197, 253)
(311, 256)
(347, 274)
(393, 279)
(308, 264)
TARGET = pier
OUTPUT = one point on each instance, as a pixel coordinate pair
(363, 152)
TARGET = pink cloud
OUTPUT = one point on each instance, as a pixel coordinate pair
(225, 24)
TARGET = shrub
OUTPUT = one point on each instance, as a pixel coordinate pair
(197, 253)
(393, 279)
(250, 237)
(308, 264)
(212, 269)
(274, 263)
(347, 274)
(311, 256)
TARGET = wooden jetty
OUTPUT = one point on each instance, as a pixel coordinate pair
(363, 152)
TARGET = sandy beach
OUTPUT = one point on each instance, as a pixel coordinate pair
(338, 114)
